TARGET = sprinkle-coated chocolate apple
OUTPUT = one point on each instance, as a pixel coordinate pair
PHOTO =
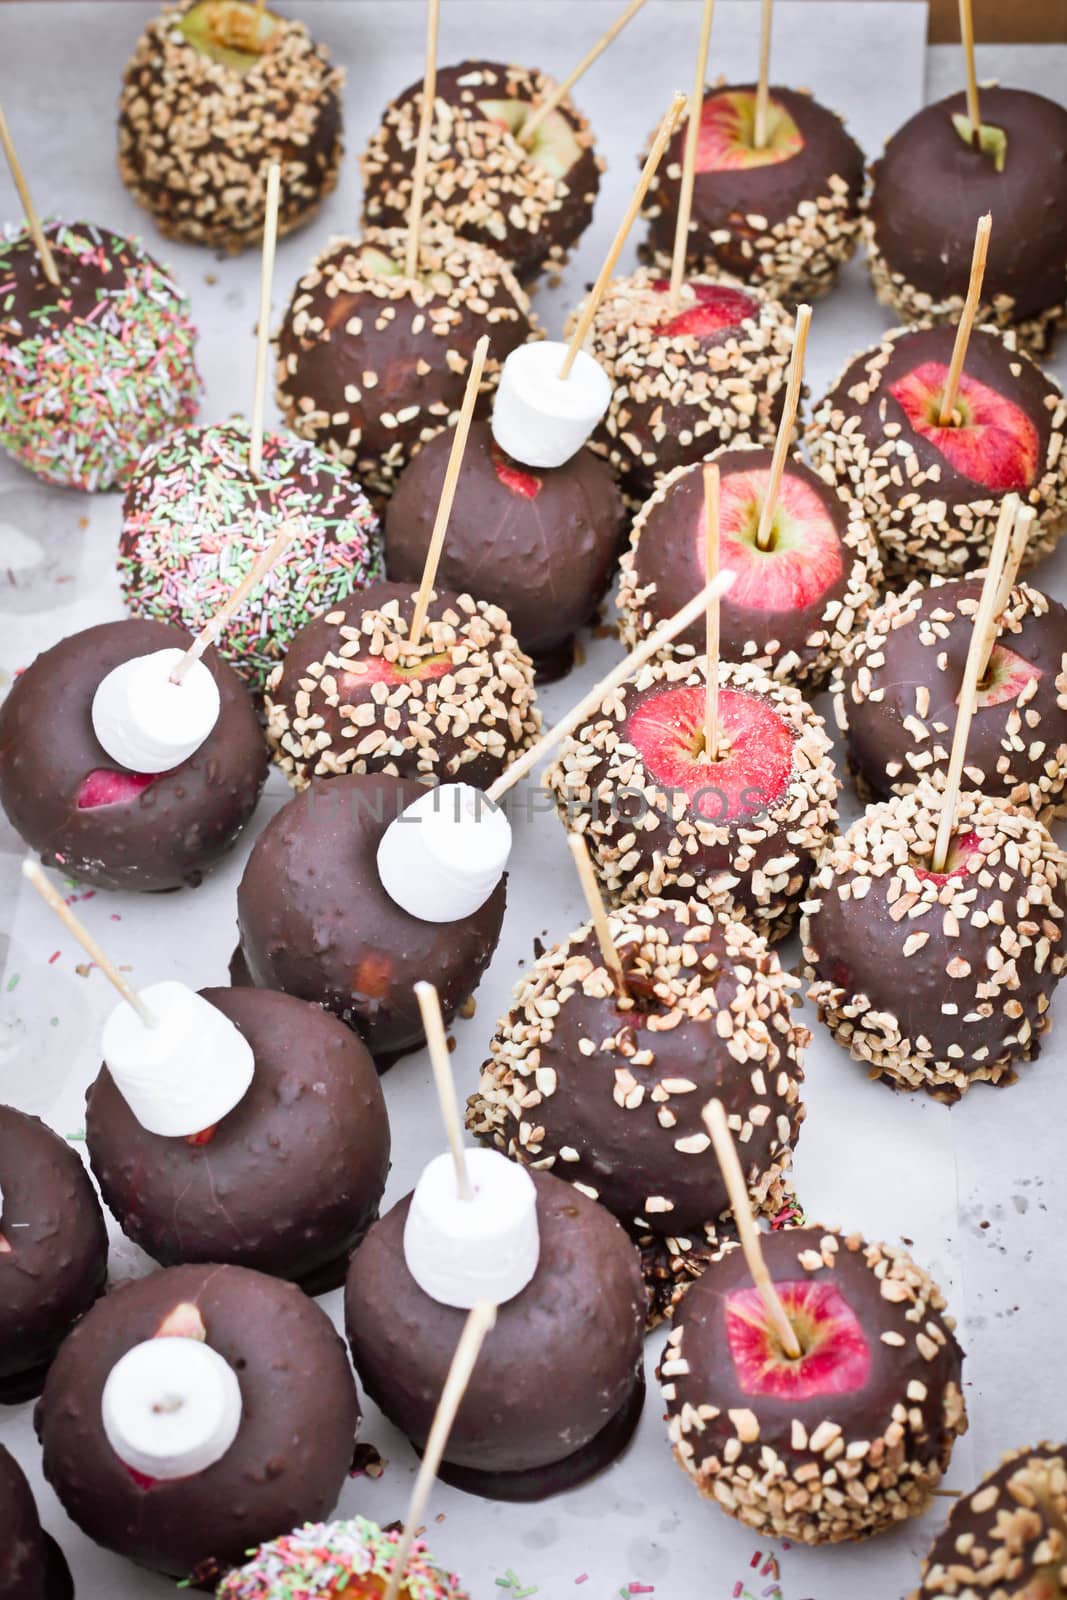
(53, 1251)
(932, 183)
(1007, 1540)
(785, 216)
(316, 922)
(287, 1182)
(32, 1566)
(607, 1091)
(371, 363)
(937, 980)
(350, 1560)
(743, 831)
(842, 1442)
(84, 813)
(540, 543)
(896, 695)
(559, 1384)
(214, 93)
(793, 607)
(353, 695)
(932, 493)
(683, 385)
(287, 1462)
(530, 203)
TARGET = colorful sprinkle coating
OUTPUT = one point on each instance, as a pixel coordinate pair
(195, 521)
(322, 1559)
(92, 371)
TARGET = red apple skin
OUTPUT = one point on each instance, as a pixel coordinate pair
(995, 443)
(110, 786)
(718, 311)
(836, 1358)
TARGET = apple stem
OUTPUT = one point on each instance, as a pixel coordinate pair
(785, 429)
(562, 90)
(211, 630)
(759, 131)
(266, 280)
(33, 221)
(479, 1322)
(437, 1043)
(711, 616)
(967, 41)
(422, 146)
(595, 902)
(718, 1127)
(689, 613)
(947, 415)
(983, 637)
(52, 898)
(689, 163)
(448, 490)
(648, 172)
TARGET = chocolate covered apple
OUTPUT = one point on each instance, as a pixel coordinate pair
(53, 1251)
(849, 1438)
(606, 1090)
(896, 695)
(793, 606)
(32, 1566)
(528, 200)
(932, 492)
(214, 93)
(937, 175)
(743, 831)
(353, 1559)
(372, 363)
(937, 980)
(784, 216)
(539, 543)
(354, 695)
(1007, 1539)
(711, 374)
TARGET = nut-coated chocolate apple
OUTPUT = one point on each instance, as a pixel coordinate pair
(785, 215)
(932, 492)
(528, 200)
(742, 831)
(848, 1438)
(793, 607)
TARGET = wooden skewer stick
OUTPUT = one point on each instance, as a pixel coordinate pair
(726, 1151)
(266, 282)
(689, 161)
(711, 625)
(983, 637)
(479, 1321)
(947, 414)
(967, 40)
(785, 428)
(437, 1043)
(53, 898)
(1024, 517)
(595, 902)
(422, 147)
(759, 132)
(562, 90)
(448, 491)
(690, 613)
(33, 221)
(211, 630)
(648, 172)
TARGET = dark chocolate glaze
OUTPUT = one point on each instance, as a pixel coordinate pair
(287, 1464)
(288, 1182)
(32, 1566)
(29, 298)
(559, 1368)
(168, 835)
(670, 550)
(723, 200)
(53, 1250)
(539, 543)
(930, 188)
(315, 921)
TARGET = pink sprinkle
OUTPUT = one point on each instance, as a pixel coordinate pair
(770, 1565)
(756, 1559)
(738, 1586)
(583, 1579)
(115, 917)
(53, 958)
(642, 1588)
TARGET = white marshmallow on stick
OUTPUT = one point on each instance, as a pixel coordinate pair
(171, 1407)
(444, 855)
(147, 722)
